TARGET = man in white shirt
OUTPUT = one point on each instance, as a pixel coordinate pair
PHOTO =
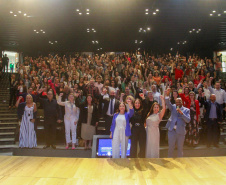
(156, 94)
(205, 89)
(98, 84)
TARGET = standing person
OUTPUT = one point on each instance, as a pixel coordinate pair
(70, 119)
(138, 130)
(13, 90)
(120, 130)
(5, 62)
(213, 117)
(176, 125)
(147, 103)
(153, 137)
(27, 111)
(111, 104)
(192, 129)
(89, 120)
(52, 114)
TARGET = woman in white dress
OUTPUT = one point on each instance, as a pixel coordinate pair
(70, 119)
(152, 130)
(27, 112)
(120, 130)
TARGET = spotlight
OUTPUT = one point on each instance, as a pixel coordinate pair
(92, 28)
(97, 49)
(87, 13)
(171, 49)
(146, 10)
(88, 31)
(19, 11)
(144, 30)
(15, 15)
(157, 10)
(197, 32)
(25, 14)
(178, 43)
(214, 11)
(11, 12)
(193, 30)
(141, 42)
(87, 28)
(80, 13)
(154, 13)
(224, 11)
(87, 10)
(148, 29)
(37, 32)
(135, 41)
(55, 41)
(146, 13)
(140, 28)
(100, 48)
(49, 41)
(94, 31)
(138, 48)
(199, 29)
(219, 15)
(34, 30)
(211, 14)
(43, 32)
(190, 31)
(77, 10)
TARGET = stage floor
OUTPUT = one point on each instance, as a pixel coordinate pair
(48, 170)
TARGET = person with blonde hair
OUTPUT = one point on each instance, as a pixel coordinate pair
(27, 112)
(70, 119)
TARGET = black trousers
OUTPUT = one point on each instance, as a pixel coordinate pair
(5, 67)
(138, 136)
(50, 131)
(108, 122)
(12, 97)
(212, 132)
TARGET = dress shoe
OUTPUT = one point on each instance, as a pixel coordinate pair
(46, 146)
(53, 146)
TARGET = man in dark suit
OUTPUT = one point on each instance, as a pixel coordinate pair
(110, 106)
(213, 117)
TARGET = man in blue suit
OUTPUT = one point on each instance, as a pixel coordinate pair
(176, 125)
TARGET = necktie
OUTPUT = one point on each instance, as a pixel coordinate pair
(111, 107)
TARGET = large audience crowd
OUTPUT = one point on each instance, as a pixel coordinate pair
(131, 93)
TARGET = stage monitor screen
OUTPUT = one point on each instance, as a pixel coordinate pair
(104, 147)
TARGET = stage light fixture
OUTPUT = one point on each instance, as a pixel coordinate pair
(34, 30)
(146, 10)
(146, 13)
(190, 31)
(157, 10)
(15, 15)
(87, 13)
(87, 10)
(43, 32)
(193, 29)
(94, 31)
(80, 13)
(211, 14)
(178, 43)
(197, 32)
(199, 29)
(171, 49)
(224, 11)
(11, 12)
(148, 29)
(138, 48)
(141, 42)
(77, 10)
(88, 31)
(55, 41)
(19, 11)
(25, 14)
(214, 11)
(144, 30)
(37, 32)
(154, 13)
(219, 15)
(135, 41)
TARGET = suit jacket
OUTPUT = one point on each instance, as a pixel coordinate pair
(177, 117)
(106, 105)
(208, 108)
(128, 115)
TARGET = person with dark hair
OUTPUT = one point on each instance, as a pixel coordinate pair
(138, 130)
(52, 114)
(120, 130)
(27, 112)
(13, 90)
(153, 119)
(89, 119)
(176, 125)
(5, 63)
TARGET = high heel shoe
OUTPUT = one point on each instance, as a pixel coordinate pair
(73, 148)
(66, 147)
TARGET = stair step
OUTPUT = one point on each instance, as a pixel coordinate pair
(7, 119)
(7, 139)
(7, 128)
(9, 123)
(7, 146)
(6, 133)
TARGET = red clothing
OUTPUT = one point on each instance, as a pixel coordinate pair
(52, 86)
(188, 103)
(178, 73)
(196, 82)
(164, 77)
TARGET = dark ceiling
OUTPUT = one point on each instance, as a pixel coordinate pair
(117, 24)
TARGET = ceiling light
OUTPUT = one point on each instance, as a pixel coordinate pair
(34, 30)
(141, 42)
(146, 10)
(94, 31)
(214, 11)
(19, 11)
(171, 49)
(43, 32)
(135, 41)
(211, 14)
(157, 10)
(146, 13)
(77, 10)
(87, 28)
(224, 11)
(56, 41)
(80, 13)
(219, 14)
(87, 13)
(199, 29)
(49, 41)
(100, 48)
(148, 29)
(193, 30)
(138, 48)
(197, 32)
(87, 10)
(92, 28)
(144, 30)
(88, 31)
(11, 12)
(15, 15)
(190, 31)
(37, 32)
(140, 28)
(154, 13)
(178, 43)
(25, 14)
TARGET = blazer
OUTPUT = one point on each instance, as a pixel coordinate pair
(128, 115)
(177, 117)
(70, 113)
(208, 108)
(84, 113)
(106, 104)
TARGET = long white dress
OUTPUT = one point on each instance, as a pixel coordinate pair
(27, 132)
(119, 137)
(153, 136)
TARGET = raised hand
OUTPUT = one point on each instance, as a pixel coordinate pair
(61, 94)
